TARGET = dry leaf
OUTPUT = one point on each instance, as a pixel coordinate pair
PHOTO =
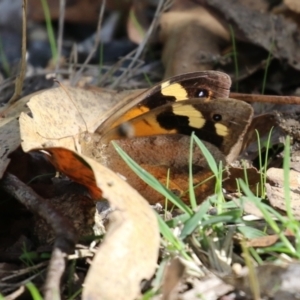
(129, 251)
(209, 287)
(276, 282)
(277, 199)
(275, 176)
(263, 241)
(269, 240)
(253, 178)
(267, 32)
(138, 22)
(173, 274)
(293, 5)
(62, 115)
(275, 190)
(189, 26)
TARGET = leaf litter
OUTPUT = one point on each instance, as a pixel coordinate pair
(74, 137)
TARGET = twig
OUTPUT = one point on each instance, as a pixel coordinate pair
(97, 41)
(22, 272)
(62, 6)
(141, 47)
(266, 98)
(21, 76)
(116, 66)
(56, 269)
(16, 293)
(7, 287)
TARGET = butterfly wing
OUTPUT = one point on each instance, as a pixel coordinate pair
(221, 122)
(204, 85)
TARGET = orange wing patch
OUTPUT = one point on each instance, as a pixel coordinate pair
(148, 123)
(131, 114)
(72, 165)
(141, 126)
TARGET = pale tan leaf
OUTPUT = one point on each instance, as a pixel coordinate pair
(130, 249)
(61, 114)
(293, 5)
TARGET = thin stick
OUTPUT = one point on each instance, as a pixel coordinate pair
(65, 233)
(56, 269)
(266, 98)
(21, 76)
(141, 47)
(62, 5)
(97, 41)
(114, 67)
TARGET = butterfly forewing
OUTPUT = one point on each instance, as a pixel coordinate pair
(221, 122)
(204, 85)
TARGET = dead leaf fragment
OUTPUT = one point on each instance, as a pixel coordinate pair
(189, 26)
(276, 282)
(267, 32)
(277, 199)
(267, 241)
(293, 5)
(62, 115)
(275, 176)
(253, 178)
(275, 190)
(129, 251)
(173, 274)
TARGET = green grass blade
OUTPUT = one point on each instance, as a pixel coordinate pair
(34, 292)
(208, 156)
(267, 68)
(169, 236)
(268, 216)
(191, 181)
(286, 185)
(152, 181)
(50, 31)
(193, 222)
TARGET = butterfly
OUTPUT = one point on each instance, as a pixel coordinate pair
(192, 102)
(154, 128)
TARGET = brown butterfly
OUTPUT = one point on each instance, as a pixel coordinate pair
(161, 121)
